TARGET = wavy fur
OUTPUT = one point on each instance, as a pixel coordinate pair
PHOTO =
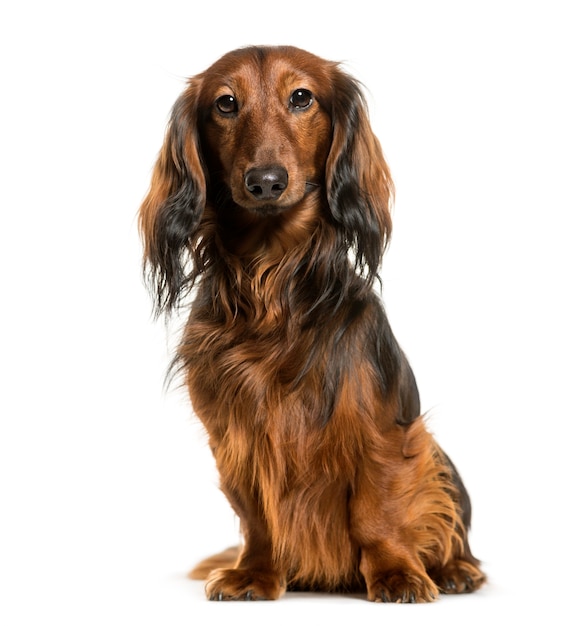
(271, 196)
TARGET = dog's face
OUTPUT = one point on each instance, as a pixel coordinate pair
(267, 148)
(264, 129)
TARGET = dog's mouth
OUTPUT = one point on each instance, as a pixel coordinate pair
(273, 206)
(311, 186)
(268, 210)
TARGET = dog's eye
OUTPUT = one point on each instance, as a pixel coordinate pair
(227, 105)
(300, 99)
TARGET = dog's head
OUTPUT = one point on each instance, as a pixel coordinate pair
(264, 137)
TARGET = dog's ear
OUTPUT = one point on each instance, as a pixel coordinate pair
(172, 210)
(358, 181)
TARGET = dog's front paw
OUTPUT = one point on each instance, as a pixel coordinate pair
(406, 587)
(244, 584)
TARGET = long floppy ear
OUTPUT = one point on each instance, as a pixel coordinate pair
(172, 210)
(359, 185)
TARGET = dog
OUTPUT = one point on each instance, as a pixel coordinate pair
(269, 213)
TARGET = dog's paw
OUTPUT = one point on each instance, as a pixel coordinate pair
(459, 577)
(405, 587)
(243, 584)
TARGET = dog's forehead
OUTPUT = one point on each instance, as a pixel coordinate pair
(265, 68)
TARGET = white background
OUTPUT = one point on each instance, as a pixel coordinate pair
(108, 493)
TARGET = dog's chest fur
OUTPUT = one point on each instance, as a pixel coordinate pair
(270, 440)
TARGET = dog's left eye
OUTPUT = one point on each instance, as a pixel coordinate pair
(301, 99)
(227, 105)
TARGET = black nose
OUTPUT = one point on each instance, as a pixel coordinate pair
(266, 183)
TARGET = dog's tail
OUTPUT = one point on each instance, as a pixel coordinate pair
(227, 558)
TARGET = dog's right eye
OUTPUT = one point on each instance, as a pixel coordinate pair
(227, 105)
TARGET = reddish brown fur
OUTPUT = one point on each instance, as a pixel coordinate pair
(310, 406)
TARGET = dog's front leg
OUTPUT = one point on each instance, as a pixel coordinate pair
(255, 576)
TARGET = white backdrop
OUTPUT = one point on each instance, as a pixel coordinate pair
(108, 493)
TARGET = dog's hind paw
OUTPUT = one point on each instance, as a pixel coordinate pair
(459, 577)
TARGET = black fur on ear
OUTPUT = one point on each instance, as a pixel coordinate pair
(172, 210)
(359, 184)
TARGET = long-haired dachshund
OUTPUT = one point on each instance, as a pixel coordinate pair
(271, 196)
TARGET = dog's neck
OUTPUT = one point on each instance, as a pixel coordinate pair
(267, 239)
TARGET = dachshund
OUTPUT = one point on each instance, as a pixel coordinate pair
(269, 213)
